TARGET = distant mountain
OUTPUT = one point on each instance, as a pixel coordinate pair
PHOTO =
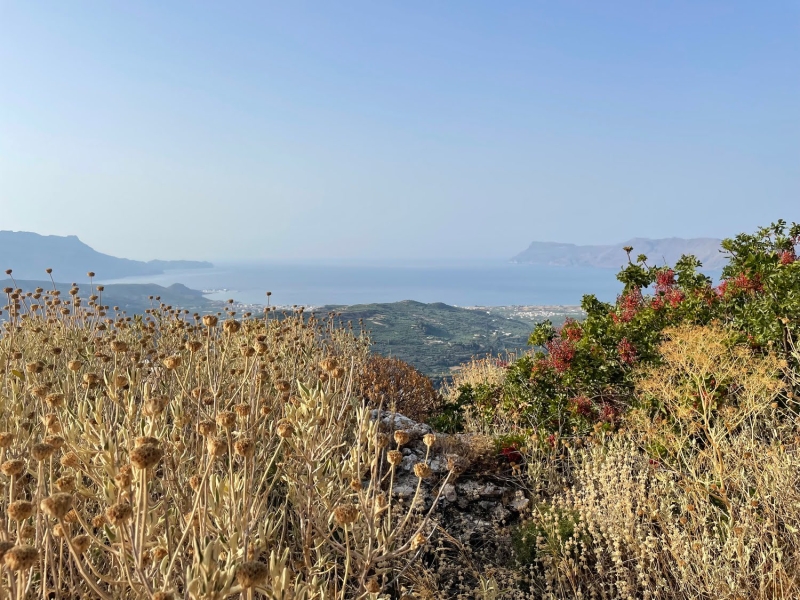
(658, 252)
(29, 254)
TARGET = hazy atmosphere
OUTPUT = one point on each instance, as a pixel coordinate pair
(395, 130)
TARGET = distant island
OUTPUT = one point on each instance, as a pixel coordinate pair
(29, 254)
(659, 252)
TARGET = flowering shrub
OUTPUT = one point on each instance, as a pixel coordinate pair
(581, 375)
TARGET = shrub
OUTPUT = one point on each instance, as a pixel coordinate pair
(396, 385)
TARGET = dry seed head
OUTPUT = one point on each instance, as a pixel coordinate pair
(81, 543)
(401, 437)
(6, 439)
(21, 558)
(27, 532)
(429, 439)
(329, 364)
(42, 451)
(226, 419)
(210, 320)
(58, 530)
(66, 483)
(283, 386)
(119, 346)
(242, 410)
(5, 546)
(373, 586)
(338, 373)
(34, 367)
(123, 479)
(40, 391)
(231, 326)
(285, 429)
(13, 467)
(145, 440)
(251, 573)
(91, 379)
(71, 517)
(163, 596)
(355, 485)
(55, 440)
(147, 456)
(119, 513)
(70, 460)
(244, 447)
(99, 520)
(422, 470)
(193, 346)
(20, 510)
(195, 481)
(172, 362)
(216, 447)
(207, 428)
(159, 553)
(55, 400)
(57, 505)
(74, 365)
(155, 406)
(395, 457)
(345, 514)
(382, 440)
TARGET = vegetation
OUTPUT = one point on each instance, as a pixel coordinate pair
(653, 447)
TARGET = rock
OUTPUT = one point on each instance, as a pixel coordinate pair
(394, 421)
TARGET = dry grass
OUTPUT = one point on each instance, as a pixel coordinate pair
(172, 455)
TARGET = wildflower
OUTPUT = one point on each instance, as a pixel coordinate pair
(787, 257)
(285, 429)
(42, 451)
(81, 543)
(244, 447)
(561, 353)
(429, 439)
(146, 456)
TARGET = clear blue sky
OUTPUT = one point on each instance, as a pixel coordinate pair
(228, 130)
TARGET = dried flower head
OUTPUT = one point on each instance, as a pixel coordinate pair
(81, 543)
(13, 467)
(57, 505)
(74, 365)
(6, 439)
(429, 439)
(210, 320)
(42, 451)
(207, 428)
(21, 558)
(146, 456)
(395, 457)
(20, 510)
(66, 483)
(251, 573)
(373, 586)
(172, 362)
(345, 514)
(285, 429)
(422, 470)
(244, 447)
(401, 437)
(70, 460)
(231, 326)
(216, 447)
(226, 419)
(119, 513)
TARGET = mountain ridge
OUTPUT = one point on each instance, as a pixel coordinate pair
(28, 254)
(611, 256)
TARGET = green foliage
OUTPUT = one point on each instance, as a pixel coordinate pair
(546, 533)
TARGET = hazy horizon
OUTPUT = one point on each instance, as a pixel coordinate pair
(395, 131)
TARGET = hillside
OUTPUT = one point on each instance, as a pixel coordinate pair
(658, 251)
(29, 254)
(437, 337)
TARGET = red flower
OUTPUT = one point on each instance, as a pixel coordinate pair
(674, 297)
(571, 330)
(561, 353)
(512, 453)
(608, 413)
(581, 405)
(626, 351)
(665, 280)
(629, 304)
(788, 257)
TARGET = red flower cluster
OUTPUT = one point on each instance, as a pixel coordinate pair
(581, 406)
(571, 330)
(788, 257)
(665, 280)
(741, 283)
(512, 453)
(608, 413)
(561, 352)
(626, 351)
(628, 304)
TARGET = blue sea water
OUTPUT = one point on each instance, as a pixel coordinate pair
(459, 284)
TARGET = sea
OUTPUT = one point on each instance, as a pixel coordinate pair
(465, 283)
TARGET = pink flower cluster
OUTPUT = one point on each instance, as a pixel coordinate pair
(571, 330)
(581, 405)
(561, 352)
(628, 304)
(666, 292)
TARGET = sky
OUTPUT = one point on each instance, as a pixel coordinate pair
(395, 130)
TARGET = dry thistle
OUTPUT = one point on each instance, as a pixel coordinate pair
(42, 451)
(244, 447)
(429, 439)
(172, 362)
(66, 483)
(210, 320)
(226, 419)
(55, 400)
(285, 429)
(70, 460)
(207, 428)
(216, 447)
(74, 365)
(401, 437)
(422, 470)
